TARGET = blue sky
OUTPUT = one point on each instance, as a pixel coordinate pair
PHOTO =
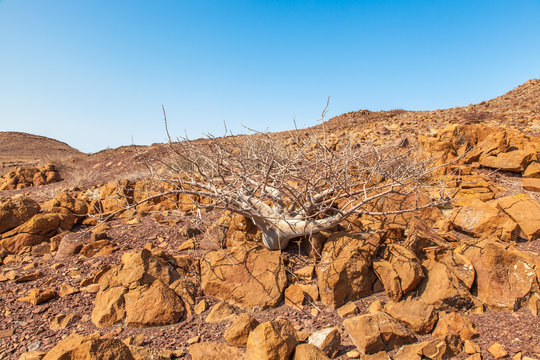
(95, 73)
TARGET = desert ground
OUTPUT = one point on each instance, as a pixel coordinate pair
(129, 253)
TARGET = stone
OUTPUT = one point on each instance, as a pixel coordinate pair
(353, 354)
(376, 332)
(38, 296)
(294, 296)
(514, 161)
(344, 272)
(188, 245)
(308, 352)
(271, 340)
(534, 304)
(531, 184)
(442, 288)
(504, 275)
(32, 355)
(305, 273)
(221, 312)
(421, 236)
(29, 277)
(328, 340)
(470, 347)
(525, 211)
(153, 305)
(66, 201)
(15, 211)
(532, 171)
(312, 291)
(32, 232)
(498, 351)
(480, 219)
(349, 309)
(66, 289)
(98, 248)
(201, 307)
(246, 277)
(71, 244)
(62, 321)
(237, 333)
(89, 347)
(376, 306)
(389, 278)
(455, 324)
(213, 350)
(437, 349)
(109, 307)
(414, 314)
(406, 265)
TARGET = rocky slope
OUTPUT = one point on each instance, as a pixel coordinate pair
(161, 280)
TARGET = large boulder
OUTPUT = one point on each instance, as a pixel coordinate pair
(376, 332)
(481, 219)
(344, 272)
(15, 211)
(153, 305)
(414, 314)
(138, 291)
(246, 277)
(89, 347)
(271, 340)
(443, 287)
(525, 211)
(515, 161)
(237, 333)
(66, 201)
(406, 267)
(34, 231)
(504, 275)
(22, 177)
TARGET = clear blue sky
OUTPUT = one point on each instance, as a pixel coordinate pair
(94, 73)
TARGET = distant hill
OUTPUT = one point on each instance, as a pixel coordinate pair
(18, 148)
(518, 109)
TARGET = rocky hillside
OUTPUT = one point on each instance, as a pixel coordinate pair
(111, 263)
(17, 149)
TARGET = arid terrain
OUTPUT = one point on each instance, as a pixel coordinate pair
(89, 269)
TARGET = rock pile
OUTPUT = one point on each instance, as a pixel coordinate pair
(23, 177)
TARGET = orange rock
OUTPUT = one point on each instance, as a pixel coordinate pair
(153, 305)
(294, 296)
(344, 272)
(523, 210)
(244, 277)
(309, 352)
(455, 324)
(504, 275)
(415, 314)
(531, 184)
(498, 351)
(372, 333)
(271, 340)
(237, 333)
(15, 211)
(221, 312)
(481, 220)
(38, 296)
(328, 340)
